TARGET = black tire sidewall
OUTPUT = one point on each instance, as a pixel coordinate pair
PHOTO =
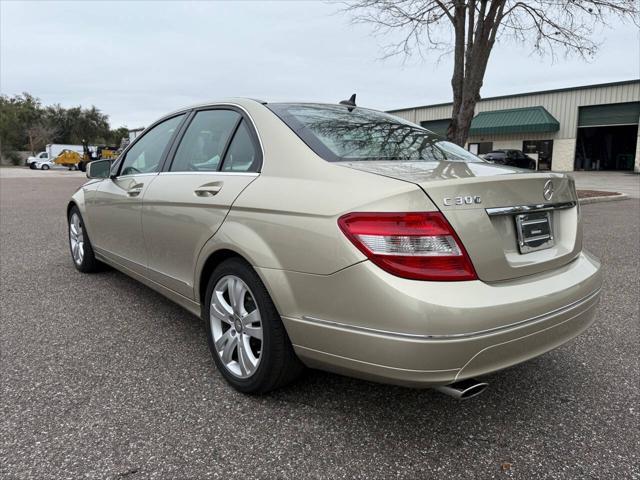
(268, 315)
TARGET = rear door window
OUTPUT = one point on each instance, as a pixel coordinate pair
(205, 140)
(242, 155)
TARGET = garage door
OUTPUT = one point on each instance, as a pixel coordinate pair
(437, 126)
(611, 114)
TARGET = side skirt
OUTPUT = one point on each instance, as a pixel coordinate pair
(186, 303)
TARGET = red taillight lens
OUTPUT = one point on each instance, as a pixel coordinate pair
(420, 245)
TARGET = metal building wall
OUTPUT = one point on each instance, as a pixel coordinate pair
(563, 105)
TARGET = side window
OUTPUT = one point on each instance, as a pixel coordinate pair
(242, 155)
(203, 144)
(145, 155)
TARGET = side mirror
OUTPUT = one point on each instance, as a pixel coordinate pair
(99, 169)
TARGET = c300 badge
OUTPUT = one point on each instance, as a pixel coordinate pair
(462, 200)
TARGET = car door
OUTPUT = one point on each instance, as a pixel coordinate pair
(217, 157)
(115, 210)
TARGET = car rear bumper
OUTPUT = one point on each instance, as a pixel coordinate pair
(366, 323)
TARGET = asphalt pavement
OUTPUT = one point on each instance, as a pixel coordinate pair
(100, 377)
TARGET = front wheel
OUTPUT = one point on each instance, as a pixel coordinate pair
(246, 336)
(80, 245)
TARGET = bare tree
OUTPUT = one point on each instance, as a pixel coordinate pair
(470, 28)
(39, 135)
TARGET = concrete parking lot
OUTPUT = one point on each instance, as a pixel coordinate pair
(100, 377)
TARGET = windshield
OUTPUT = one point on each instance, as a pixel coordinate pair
(340, 135)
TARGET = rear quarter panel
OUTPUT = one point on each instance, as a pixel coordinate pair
(292, 223)
(287, 218)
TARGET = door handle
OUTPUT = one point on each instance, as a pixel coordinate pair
(135, 190)
(207, 190)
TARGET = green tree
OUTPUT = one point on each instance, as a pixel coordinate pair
(39, 135)
(76, 124)
(116, 136)
(26, 124)
(17, 114)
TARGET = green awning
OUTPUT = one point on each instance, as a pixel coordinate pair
(514, 120)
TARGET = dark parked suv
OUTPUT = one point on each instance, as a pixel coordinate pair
(514, 158)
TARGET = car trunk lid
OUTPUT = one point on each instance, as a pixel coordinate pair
(483, 201)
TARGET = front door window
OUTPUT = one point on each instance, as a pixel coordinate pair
(145, 155)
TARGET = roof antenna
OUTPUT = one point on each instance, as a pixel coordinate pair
(351, 103)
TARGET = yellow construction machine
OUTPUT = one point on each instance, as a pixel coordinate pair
(68, 158)
(74, 160)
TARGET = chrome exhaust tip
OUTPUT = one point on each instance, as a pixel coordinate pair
(463, 389)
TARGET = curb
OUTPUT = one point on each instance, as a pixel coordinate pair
(606, 198)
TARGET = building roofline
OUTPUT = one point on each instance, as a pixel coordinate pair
(526, 94)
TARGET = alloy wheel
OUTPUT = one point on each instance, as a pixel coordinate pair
(236, 326)
(76, 238)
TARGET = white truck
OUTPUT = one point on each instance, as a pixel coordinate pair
(51, 151)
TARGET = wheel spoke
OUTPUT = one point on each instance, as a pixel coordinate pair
(221, 309)
(250, 318)
(255, 332)
(222, 341)
(244, 359)
(229, 347)
(74, 230)
(237, 291)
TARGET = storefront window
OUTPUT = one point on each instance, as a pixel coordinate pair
(542, 148)
(480, 148)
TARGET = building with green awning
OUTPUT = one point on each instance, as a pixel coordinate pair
(591, 127)
(514, 120)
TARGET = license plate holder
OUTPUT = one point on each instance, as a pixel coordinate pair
(535, 231)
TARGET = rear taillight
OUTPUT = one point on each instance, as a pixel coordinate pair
(420, 245)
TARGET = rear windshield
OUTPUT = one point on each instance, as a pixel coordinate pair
(339, 135)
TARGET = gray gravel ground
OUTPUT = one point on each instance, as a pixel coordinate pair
(103, 378)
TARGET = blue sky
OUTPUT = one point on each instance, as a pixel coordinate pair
(138, 60)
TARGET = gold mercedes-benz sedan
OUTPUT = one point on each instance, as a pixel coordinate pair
(340, 238)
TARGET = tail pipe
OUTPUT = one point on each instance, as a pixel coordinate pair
(463, 389)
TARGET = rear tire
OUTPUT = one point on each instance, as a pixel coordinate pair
(247, 362)
(79, 244)
(44, 167)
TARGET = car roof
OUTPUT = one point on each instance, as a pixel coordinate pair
(246, 101)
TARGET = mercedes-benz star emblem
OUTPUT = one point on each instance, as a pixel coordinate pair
(547, 191)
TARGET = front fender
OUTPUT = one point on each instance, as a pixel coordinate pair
(81, 198)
